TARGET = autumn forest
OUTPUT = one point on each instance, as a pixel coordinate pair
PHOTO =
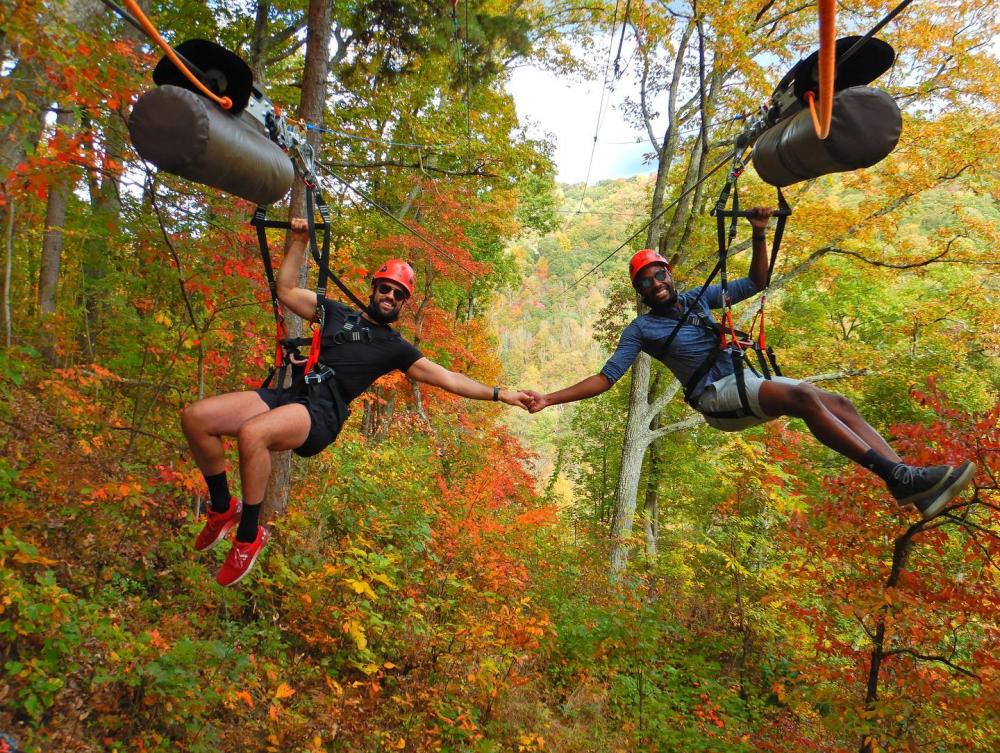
(457, 575)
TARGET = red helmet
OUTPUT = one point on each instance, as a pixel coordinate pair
(397, 271)
(642, 259)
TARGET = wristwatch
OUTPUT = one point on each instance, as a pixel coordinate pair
(496, 394)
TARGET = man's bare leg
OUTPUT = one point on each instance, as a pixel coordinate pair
(844, 409)
(807, 402)
(283, 428)
(835, 422)
(207, 421)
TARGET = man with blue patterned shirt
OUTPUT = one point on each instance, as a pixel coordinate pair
(712, 385)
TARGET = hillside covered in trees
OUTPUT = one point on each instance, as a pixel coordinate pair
(455, 575)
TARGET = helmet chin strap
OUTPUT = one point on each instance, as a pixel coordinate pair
(375, 313)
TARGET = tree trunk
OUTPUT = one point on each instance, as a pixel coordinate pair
(259, 42)
(311, 108)
(642, 408)
(23, 119)
(97, 250)
(8, 328)
(418, 331)
(900, 555)
(651, 506)
(104, 184)
(637, 438)
(665, 154)
(52, 242)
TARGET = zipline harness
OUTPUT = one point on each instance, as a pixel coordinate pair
(732, 342)
(795, 91)
(309, 370)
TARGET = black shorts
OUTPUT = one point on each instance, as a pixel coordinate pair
(327, 413)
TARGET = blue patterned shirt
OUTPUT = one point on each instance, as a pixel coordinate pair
(690, 347)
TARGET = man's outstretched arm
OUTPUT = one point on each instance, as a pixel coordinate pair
(589, 387)
(629, 345)
(426, 371)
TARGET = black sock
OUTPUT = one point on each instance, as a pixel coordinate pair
(247, 529)
(218, 492)
(879, 464)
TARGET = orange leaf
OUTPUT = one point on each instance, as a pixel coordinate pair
(284, 691)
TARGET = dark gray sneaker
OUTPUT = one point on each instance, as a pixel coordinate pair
(932, 503)
(910, 483)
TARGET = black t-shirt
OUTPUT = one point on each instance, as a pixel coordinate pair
(358, 364)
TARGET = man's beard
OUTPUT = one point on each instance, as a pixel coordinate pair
(375, 312)
(664, 308)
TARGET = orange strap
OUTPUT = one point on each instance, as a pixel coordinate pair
(827, 69)
(224, 102)
(728, 331)
(280, 334)
(314, 348)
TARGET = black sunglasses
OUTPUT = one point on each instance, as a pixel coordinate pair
(396, 293)
(646, 283)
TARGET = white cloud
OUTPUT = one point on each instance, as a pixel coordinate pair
(568, 110)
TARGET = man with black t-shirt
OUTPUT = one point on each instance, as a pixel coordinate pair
(357, 348)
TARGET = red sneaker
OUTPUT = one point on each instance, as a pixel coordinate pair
(218, 525)
(241, 558)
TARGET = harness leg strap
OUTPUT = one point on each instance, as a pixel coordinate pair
(741, 382)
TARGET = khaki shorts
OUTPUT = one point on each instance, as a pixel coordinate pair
(724, 395)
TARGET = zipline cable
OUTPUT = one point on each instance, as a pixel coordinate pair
(384, 210)
(872, 32)
(600, 106)
(680, 132)
(653, 219)
(125, 15)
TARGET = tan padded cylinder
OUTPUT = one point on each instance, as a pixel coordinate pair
(183, 133)
(865, 128)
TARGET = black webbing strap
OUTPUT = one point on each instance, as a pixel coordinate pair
(741, 380)
(735, 345)
(314, 203)
(726, 243)
(765, 354)
(323, 258)
(322, 261)
(703, 368)
(261, 224)
(719, 264)
(762, 359)
(774, 361)
(783, 213)
(685, 317)
(353, 330)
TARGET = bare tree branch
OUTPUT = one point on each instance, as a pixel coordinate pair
(933, 658)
